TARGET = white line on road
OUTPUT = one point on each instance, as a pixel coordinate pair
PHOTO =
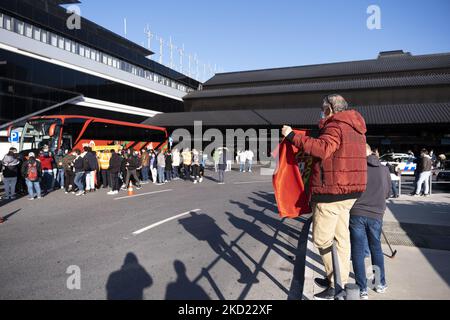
(164, 221)
(245, 182)
(143, 194)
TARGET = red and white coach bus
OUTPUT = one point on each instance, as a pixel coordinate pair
(72, 132)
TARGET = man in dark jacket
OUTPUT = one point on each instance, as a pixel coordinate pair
(80, 166)
(32, 172)
(132, 163)
(10, 165)
(426, 164)
(339, 177)
(69, 174)
(60, 169)
(91, 163)
(115, 164)
(366, 221)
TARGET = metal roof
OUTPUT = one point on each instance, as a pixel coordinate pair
(394, 63)
(425, 113)
(357, 83)
(209, 118)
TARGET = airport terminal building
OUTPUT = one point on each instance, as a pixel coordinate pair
(404, 98)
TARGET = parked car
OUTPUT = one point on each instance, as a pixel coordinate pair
(403, 161)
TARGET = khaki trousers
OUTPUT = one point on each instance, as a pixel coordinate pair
(331, 223)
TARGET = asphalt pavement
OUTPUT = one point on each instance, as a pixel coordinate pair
(175, 241)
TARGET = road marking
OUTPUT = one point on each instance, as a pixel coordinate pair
(143, 194)
(164, 221)
(245, 182)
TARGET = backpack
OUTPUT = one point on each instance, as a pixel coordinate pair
(32, 172)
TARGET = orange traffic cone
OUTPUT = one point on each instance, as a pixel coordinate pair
(130, 189)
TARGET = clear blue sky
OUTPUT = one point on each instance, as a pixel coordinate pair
(255, 34)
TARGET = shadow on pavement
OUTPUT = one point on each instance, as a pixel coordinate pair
(129, 282)
(298, 258)
(5, 218)
(255, 232)
(183, 288)
(204, 228)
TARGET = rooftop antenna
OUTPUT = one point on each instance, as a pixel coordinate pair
(181, 52)
(196, 66)
(125, 26)
(189, 64)
(171, 46)
(149, 35)
(204, 71)
(161, 44)
(209, 70)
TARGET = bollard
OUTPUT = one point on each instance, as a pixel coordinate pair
(352, 291)
(431, 181)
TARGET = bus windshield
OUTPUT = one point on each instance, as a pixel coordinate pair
(36, 134)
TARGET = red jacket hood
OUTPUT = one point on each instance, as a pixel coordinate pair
(351, 117)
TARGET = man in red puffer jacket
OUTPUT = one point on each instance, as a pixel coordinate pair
(339, 177)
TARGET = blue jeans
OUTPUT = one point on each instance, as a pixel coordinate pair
(60, 178)
(48, 181)
(10, 187)
(160, 174)
(168, 175)
(79, 180)
(145, 171)
(395, 188)
(221, 175)
(242, 166)
(362, 230)
(175, 171)
(33, 186)
(250, 162)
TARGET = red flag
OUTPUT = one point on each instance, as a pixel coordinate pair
(291, 179)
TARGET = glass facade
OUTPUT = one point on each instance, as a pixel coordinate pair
(28, 85)
(50, 38)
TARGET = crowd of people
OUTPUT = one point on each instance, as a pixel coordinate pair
(87, 170)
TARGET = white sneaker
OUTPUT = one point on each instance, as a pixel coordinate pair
(31, 199)
(381, 289)
(201, 179)
(363, 295)
(111, 192)
(39, 197)
(116, 192)
(195, 181)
